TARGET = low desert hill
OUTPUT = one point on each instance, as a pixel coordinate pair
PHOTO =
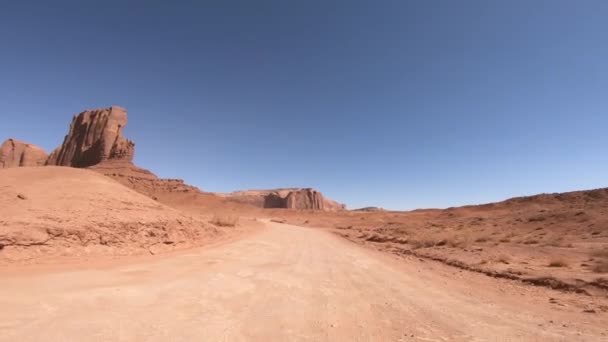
(558, 240)
(54, 211)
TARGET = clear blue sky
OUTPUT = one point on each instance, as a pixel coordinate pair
(399, 104)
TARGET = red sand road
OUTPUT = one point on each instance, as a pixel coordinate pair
(285, 283)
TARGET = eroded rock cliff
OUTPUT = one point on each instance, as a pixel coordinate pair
(293, 198)
(16, 153)
(95, 136)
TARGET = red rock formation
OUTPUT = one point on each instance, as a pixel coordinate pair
(15, 153)
(306, 199)
(142, 180)
(95, 136)
(303, 199)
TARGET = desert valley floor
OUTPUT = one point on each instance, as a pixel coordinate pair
(283, 283)
(95, 248)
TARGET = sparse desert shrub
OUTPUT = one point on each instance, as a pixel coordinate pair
(457, 242)
(530, 242)
(558, 263)
(380, 238)
(601, 262)
(224, 220)
(555, 242)
(602, 253)
(600, 267)
(503, 258)
(482, 239)
(442, 242)
(422, 243)
(507, 238)
(537, 219)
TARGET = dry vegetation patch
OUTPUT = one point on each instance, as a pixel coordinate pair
(222, 220)
(601, 261)
(558, 263)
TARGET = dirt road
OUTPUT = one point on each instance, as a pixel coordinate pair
(284, 283)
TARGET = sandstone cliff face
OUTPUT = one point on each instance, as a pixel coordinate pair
(302, 199)
(306, 199)
(15, 153)
(142, 180)
(95, 141)
(95, 136)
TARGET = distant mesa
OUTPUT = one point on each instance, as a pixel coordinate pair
(16, 153)
(370, 209)
(95, 136)
(291, 198)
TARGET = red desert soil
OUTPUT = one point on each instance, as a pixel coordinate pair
(286, 283)
(555, 240)
(61, 211)
(59, 225)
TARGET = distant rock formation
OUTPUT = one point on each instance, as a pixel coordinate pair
(95, 141)
(141, 180)
(294, 198)
(15, 153)
(370, 209)
(95, 136)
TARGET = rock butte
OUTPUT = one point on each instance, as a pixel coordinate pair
(95, 136)
(15, 153)
(292, 198)
(95, 141)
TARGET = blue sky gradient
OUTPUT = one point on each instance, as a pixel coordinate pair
(399, 104)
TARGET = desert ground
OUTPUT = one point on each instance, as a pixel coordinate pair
(284, 283)
(93, 247)
(84, 255)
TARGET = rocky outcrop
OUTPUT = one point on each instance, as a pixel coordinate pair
(142, 180)
(15, 153)
(295, 198)
(307, 199)
(95, 136)
(370, 209)
(95, 142)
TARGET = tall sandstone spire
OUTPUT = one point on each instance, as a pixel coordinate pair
(95, 136)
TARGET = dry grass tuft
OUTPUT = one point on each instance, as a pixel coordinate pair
(601, 265)
(558, 263)
(556, 242)
(483, 239)
(505, 259)
(603, 254)
(224, 220)
(422, 243)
